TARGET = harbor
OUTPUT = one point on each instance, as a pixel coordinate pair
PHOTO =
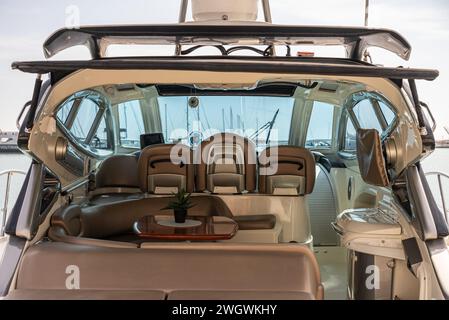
(444, 142)
(225, 150)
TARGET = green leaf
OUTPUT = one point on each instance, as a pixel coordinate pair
(182, 200)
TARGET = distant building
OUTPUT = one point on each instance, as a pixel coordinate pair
(8, 141)
(443, 143)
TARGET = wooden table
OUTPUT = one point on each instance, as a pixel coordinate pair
(211, 228)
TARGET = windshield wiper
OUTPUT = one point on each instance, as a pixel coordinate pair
(271, 126)
(267, 126)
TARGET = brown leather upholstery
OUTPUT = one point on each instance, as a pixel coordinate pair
(23, 294)
(172, 267)
(119, 171)
(226, 160)
(256, 222)
(59, 234)
(238, 295)
(62, 294)
(113, 221)
(104, 221)
(370, 158)
(68, 219)
(287, 167)
(166, 167)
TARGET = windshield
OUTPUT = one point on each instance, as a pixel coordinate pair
(264, 120)
(111, 119)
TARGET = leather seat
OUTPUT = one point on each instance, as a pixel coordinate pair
(166, 169)
(259, 270)
(239, 295)
(61, 294)
(116, 179)
(226, 164)
(286, 170)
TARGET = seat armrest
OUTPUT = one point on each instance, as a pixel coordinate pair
(69, 219)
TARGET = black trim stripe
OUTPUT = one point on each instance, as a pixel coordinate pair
(228, 65)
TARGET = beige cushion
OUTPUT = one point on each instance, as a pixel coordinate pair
(226, 163)
(174, 266)
(286, 167)
(167, 166)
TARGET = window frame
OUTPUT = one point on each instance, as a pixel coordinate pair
(353, 100)
(103, 111)
(374, 98)
(119, 136)
(333, 130)
(344, 149)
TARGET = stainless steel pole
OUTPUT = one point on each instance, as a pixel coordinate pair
(440, 185)
(5, 204)
(266, 10)
(183, 11)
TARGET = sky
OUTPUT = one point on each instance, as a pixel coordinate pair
(24, 26)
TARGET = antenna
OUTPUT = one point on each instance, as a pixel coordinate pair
(447, 129)
(366, 12)
(366, 55)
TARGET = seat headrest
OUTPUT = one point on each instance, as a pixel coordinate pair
(166, 168)
(119, 171)
(286, 167)
(226, 163)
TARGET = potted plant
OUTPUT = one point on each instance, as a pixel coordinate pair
(180, 205)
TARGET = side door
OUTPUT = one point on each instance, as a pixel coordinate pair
(367, 111)
(320, 138)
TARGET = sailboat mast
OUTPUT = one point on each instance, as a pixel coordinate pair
(166, 122)
(231, 118)
(223, 118)
(187, 114)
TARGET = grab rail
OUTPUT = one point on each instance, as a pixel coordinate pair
(4, 210)
(440, 185)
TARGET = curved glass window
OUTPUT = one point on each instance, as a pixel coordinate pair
(83, 117)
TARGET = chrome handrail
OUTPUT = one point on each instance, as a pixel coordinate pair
(440, 185)
(4, 210)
